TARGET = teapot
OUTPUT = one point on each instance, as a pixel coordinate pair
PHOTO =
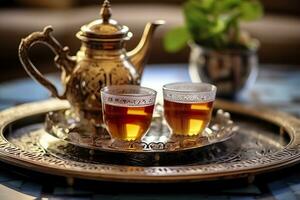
(102, 60)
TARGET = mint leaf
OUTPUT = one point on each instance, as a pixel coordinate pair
(250, 10)
(176, 39)
(214, 24)
(226, 5)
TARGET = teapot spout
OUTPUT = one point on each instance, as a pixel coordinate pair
(139, 55)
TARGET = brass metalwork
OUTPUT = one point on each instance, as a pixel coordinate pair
(61, 127)
(254, 150)
(102, 60)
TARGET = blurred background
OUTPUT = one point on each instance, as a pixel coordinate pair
(278, 31)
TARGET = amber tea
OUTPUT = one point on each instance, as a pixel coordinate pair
(188, 107)
(127, 123)
(127, 111)
(187, 118)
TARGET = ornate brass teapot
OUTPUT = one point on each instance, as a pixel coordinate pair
(102, 60)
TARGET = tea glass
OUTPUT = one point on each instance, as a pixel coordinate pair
(127, 111)
(188, 107)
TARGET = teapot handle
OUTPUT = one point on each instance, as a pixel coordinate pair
(62, 59)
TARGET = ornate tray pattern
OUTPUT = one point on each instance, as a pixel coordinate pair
(66, 130)
(256, 150)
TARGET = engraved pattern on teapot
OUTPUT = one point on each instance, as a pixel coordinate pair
(88, 79)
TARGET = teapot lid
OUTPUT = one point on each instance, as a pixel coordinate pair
(104, 29)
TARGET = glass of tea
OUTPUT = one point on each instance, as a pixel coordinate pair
(188, 107)
(127, 111)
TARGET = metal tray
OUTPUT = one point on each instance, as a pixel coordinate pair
(266, 140)
(64, 130)
(66, 137)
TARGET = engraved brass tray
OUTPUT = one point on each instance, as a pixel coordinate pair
(266, 140)
(63, 130)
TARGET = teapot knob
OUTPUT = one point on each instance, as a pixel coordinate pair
(105, 11)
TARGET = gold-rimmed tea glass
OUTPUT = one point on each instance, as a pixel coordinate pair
(127, 111)
(188, 107)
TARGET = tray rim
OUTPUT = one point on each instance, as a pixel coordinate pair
(288, 156)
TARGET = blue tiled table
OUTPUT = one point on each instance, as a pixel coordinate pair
(277, 87)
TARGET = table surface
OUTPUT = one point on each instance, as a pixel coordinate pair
(276, 87)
